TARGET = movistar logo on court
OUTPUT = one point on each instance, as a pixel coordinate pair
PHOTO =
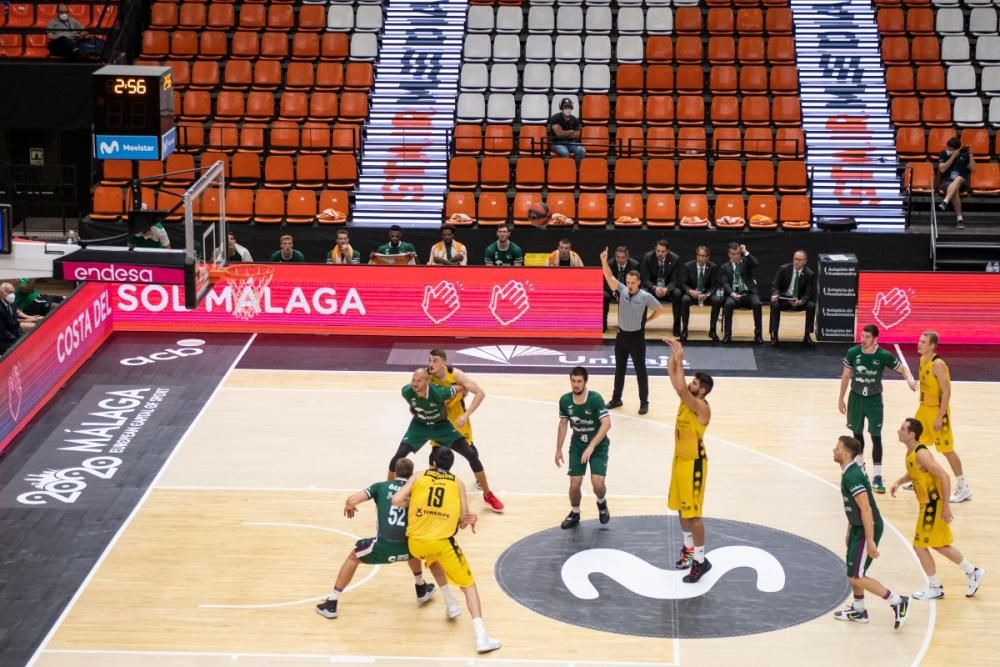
(622, 579)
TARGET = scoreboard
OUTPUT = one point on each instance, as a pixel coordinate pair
(133, 113)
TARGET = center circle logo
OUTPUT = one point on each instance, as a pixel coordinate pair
(621, 578)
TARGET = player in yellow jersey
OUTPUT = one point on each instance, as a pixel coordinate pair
(934, 412)
(438, 507)
(690, 467)
(444, 375)
(931, 486)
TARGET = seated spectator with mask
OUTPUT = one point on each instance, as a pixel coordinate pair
(65, 34)
(565, 129)
(10, 325)
(956, 164)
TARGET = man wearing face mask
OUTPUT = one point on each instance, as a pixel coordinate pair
(565, 129)
(10, 327)
(64, 33)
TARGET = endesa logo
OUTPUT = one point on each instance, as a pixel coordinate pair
(122, 273)
(82, 326)
(188, 347)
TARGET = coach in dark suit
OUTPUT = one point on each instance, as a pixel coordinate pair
(10, 326)
(698, 285)
(794, 288)
(659, 275)
(739, 290)
(620, 267)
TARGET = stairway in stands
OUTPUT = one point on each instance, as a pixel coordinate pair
(404, 167)
(845, 113)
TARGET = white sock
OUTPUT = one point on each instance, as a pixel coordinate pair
(878, 469)
(600, 501)
(960, 481)
(418, 579)
(334, 594)
(859, 603)
(688, 540)
(893, 598)
(860, 460)
(575, 509)
(477, 625)
(699, 554)
(934, 581)
(967, 566)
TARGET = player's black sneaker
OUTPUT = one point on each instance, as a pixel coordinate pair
(851, 614)
(602, 512)
(327, 609)
(698, 570)
(687, 557)
(425, 592)
(900, 611)
(570, 521)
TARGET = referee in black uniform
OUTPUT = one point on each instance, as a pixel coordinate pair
(631, 338)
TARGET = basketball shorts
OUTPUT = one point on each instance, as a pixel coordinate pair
(373, 551)
(418, 434)
(688, 478)
(598, 460)
(858, 559)
(932, 531)
(860, 408)
(448, 554)
(943, 439)
(454, 412)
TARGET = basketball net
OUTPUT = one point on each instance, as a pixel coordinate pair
(249, 282)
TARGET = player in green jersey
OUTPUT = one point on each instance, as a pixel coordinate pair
(389, 544)
(429, 407)
(503, 252)
(864, 530)
(585, 412)
(863, 368)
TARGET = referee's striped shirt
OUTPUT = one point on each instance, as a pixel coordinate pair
(632, 308)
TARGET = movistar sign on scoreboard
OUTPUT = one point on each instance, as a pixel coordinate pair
(120, 147)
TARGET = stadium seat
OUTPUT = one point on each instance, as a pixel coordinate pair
(269, 206)
(795, 212)
(692, 211)
(661, 210)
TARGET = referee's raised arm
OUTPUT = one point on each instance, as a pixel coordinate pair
(608, 276)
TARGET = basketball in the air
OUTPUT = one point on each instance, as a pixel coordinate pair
(539, 214)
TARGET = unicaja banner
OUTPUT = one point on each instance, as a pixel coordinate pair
(961, 307)
(383, 301)
(39, 364)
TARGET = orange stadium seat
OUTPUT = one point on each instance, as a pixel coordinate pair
(492, 208)
(919, 176)
(460, 201)
(279, 171)
(690, 80)
(661, 175)
(759, 176)
(269, 206)
(792, 177)
(628, 205)
(342, 171)
(592, 209)
(722, 50)
(661, 210)
(692, 212)
(563, 203)
(329, 76)
(523, 201)
(494, 173)
(301, 207)
(338, 200)
(660, 79)
(463, 173)
(727, 176)
(310, 172)
(529, 174)
(764, 205)
(499, 139)
(239, 205)
(629, 174)
(593, 174)
(692, 175)
(795, 212)
(729, 206)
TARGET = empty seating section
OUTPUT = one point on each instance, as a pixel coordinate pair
(278, 92)
(942, 61)
(687, 110)
(23, 24)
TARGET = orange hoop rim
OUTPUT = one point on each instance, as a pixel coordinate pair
(242, 271)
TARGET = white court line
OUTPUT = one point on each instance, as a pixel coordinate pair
(493, 659)
(315, 489)
(294, 603)
(135, 510)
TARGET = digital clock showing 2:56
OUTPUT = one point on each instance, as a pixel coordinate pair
(128, 86)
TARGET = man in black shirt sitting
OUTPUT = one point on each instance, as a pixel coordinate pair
(565, 129)
(956, 164)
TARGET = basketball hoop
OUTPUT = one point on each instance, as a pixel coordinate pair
(249, 282)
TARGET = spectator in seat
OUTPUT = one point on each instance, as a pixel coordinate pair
(739, 290)
(234, 251)
(155, 236)
(659, 271)
(448, 251)
(503, 251)
(288, 253)
(620, 267)
(794, 288)
(30, 301)
(65, 34)
(10, 326)
(342, 251)
(699, 285)
(395, 246)
(565, 129)
(563, 255)
(956, 164)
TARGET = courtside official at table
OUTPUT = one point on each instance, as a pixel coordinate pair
(631, 339)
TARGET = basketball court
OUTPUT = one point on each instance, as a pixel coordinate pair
(237, 529)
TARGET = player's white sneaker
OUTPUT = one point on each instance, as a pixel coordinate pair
(908, 486)
(453, 610)
(931, 592)
(961, 494)
(975, 579)
(487, 644)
